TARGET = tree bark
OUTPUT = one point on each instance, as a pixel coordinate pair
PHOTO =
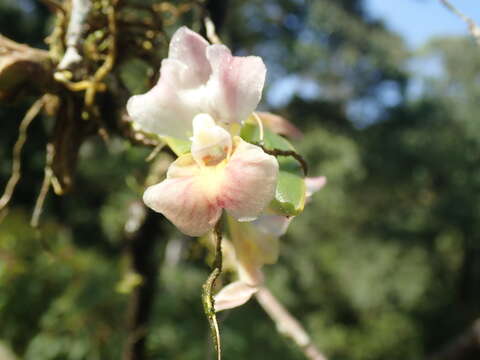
(144, 255)
(19, 64)
(464, 347)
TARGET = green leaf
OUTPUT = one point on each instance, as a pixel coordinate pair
(134, 74)
(178, 146)
(251, 133)
(290, 194)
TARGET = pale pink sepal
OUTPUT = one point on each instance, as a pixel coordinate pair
(233, 295)
(253, 249)
(182, 198)
(272, 224)
(235, 85)
(198, 78)
(250, 181)
(169, 107)
(314, 184)
(189, 48)
(192, 196)
(280, 125)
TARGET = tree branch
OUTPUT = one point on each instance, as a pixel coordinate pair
(464, 347)
(19, 64)
(472, 26)
(287, 324)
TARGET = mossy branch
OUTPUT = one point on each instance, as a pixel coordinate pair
(19, 64)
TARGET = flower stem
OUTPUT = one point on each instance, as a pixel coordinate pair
(207, 293)
(295, 155)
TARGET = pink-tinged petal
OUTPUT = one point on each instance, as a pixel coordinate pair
(193, 195)
(276, 225)
(163, 110)
(250, 272)
(183, 199)
(233, 295)
(250, 181)
(253, 249)
(314, 184)
(236, 84)
(190, 48)
(180, 94)
(280, 125)
(198, 78)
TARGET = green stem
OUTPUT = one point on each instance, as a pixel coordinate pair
(207, 293)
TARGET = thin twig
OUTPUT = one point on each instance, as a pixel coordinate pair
(54, 5)
(155, 151)
(208, 287)
(211, 32)
(17, 151)
(295, 155)
(472, 26)
(47, 181)
(287, 324)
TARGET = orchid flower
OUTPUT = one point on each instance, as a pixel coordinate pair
(203, 91)
(256, 244)
(198, 78)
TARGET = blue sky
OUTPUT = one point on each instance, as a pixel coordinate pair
(418, 20)
(414, 20)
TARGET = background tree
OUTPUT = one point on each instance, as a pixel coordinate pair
(384, 264)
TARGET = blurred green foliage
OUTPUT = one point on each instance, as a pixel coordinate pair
(383, 264)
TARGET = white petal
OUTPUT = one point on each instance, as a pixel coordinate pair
(198, 78)
(162, 110)
(276, 225)
(183, 199)
(210, 143)
(235, 85)
(169, 107)
(250, 181)
(233, 295)
(190, 48)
